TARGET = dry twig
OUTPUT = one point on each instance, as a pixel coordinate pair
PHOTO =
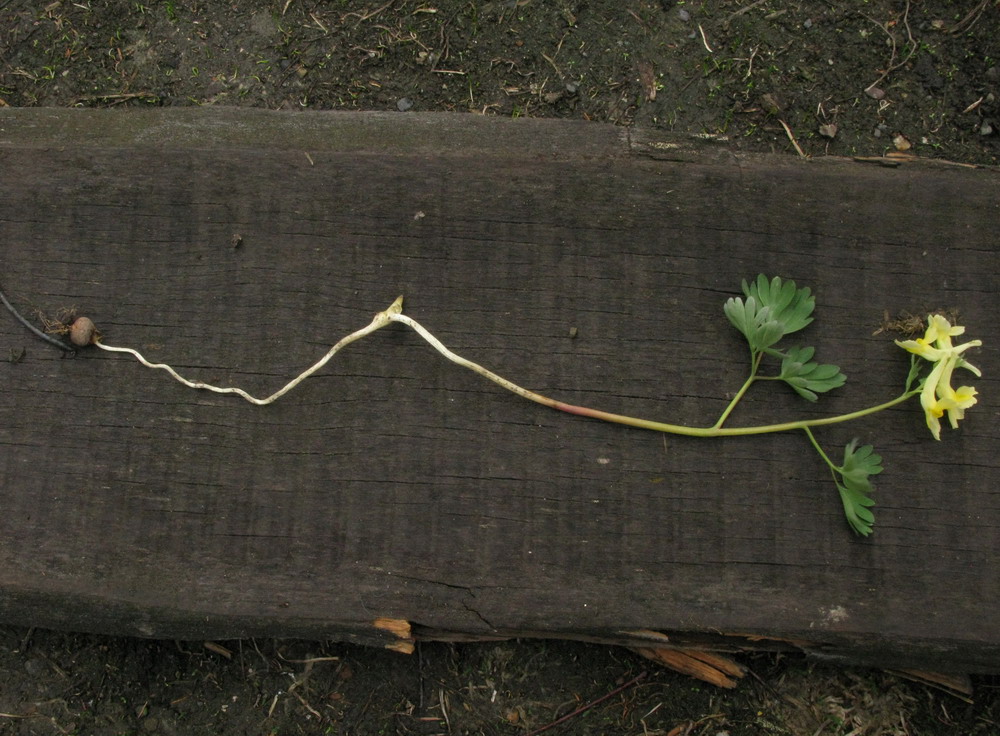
(587, 706)
(704, 40)
(891, 66)
(791, 137)
(362, 17)
(969, 20)
(744, 10)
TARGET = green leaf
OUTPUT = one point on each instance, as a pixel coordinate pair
(755, 322)
(859, 465)
(789, 306)
(860, 461)
(856, 511)
(806, 377)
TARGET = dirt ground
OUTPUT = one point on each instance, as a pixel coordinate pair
(868, 78)
(859, 78)
(55, 683)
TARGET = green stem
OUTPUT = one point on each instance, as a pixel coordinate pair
(819, 449)
(716, 431)
(754, 366)
(713, 431)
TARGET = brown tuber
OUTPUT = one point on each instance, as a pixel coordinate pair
(82, 332)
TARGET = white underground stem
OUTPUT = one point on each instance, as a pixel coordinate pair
(381, 320)
(392, 314)
(459, 360)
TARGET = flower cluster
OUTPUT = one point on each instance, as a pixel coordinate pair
(937, 396)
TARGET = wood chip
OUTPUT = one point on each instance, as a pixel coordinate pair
(706, 666)
(400, 627)
(958, 685)
(218, 649)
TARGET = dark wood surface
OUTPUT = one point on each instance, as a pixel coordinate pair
(394, 485)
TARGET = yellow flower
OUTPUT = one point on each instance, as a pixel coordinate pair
(937, 396)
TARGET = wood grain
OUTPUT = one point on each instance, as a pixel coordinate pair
(396, 486)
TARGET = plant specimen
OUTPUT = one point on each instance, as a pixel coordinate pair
(768, 311)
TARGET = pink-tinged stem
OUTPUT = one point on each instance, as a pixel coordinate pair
(714, 431)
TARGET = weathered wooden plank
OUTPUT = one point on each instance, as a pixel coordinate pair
(394, 485)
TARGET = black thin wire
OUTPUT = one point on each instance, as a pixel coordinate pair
(48, 338)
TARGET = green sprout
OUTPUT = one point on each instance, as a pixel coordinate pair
(768, 311)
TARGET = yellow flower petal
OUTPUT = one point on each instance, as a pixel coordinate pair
(941, 330)
(957, 402)
(937, 397)
(932, 414)
(929, 401)
(922, 347)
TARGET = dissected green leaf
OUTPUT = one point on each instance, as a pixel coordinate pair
(860, 463)
(856, 510)
(789, 306)
(806, 377)
(736, 313)
(755, 322)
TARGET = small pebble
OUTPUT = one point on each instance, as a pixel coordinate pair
(81, 332)
(828, 130)
(986, 128)
(875, 93)
(770, 103)
(683, 14)
(807, 23)
(404, 104)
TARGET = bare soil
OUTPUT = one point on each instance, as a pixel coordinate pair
(56, 683)
(860, 78)
(866, 78)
